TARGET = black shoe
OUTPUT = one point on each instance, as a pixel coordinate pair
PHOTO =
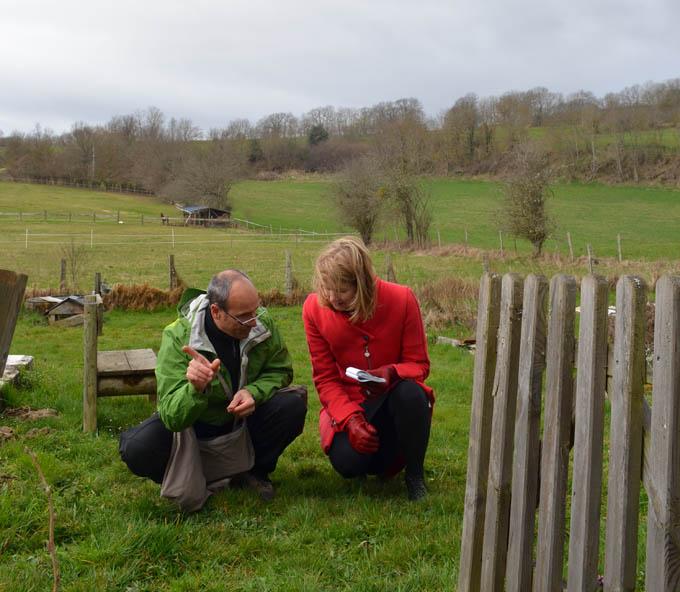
(262, 485)
(416, 488)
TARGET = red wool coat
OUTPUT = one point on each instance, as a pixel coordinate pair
(394, 335)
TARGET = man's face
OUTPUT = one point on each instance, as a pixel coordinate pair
(241, 306)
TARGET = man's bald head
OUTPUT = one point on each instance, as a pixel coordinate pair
(221, 284)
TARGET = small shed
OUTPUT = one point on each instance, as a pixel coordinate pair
(71, 307)
(205, 216)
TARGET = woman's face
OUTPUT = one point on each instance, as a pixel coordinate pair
(341, 296)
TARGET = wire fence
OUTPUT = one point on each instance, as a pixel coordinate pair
(162, 220)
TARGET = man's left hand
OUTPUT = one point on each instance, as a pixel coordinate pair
(242, 405)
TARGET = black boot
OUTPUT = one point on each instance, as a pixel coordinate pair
(416, 487)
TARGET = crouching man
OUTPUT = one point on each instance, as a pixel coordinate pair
(224, 412)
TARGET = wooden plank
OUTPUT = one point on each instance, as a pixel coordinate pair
(119, 386)
(559, 390)
(12, 287)
(625, 446)
(584, 533)
(90, 365)
(663, 524)
(488, 315)
(72, 321)
(497, 512)
(527, 434)
(128, 362)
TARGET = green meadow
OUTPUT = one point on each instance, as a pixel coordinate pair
(320, 533)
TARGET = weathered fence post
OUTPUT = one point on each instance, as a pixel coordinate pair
(289, 275)
(497, 514)
(172, 272)
(618, 242)
(62, 278)
(12, 287)
(625, 446)
(97, 282)
(663, 529)
(557, 426)
(90, 364)
(527, 436)
(591, 378)
(571, 247)
(488, 315)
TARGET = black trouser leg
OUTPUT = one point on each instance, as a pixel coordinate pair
(403, 424)
(273, 426)
(410, 410)
(145, 449)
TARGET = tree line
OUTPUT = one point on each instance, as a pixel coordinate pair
(381, 152)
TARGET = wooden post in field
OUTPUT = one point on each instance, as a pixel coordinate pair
(118, 216)
(488, 315)
(90, 364)
(527, 438)
(625, 445)
(559, 392)
(289, 275)
(12, 287)
(97, 283)
(571, 247)
(172, 272)
(662, 525)
(590, 258)
(62, 278)
(497, 513)
(618, 242)
(591, 378)
(500, 238)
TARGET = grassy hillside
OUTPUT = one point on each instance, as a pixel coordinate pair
(132, 252)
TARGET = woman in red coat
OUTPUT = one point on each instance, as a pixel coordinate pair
(356, 320)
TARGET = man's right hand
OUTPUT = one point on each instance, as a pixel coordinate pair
(363, 437)
(200, 371)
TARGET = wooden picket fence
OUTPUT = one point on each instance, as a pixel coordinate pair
(511, 465)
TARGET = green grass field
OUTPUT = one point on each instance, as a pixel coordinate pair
(131, 252)
(321, 533)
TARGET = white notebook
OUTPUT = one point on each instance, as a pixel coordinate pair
(362, 375)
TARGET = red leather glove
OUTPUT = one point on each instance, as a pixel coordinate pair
(362, 435)
(372, 390)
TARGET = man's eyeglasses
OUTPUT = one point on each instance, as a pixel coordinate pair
(245, 321)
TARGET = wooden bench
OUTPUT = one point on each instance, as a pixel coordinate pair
(111, 373)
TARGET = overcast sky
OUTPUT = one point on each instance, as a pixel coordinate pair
(212, 61)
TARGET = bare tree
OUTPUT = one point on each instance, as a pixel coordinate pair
(357, 194)
(205, 175)
(75, 255)
(523, 212)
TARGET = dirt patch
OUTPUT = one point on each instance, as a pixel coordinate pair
(35, 432)
(29, 414)
(6, 434)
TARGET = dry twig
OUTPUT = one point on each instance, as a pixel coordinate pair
(50, 542)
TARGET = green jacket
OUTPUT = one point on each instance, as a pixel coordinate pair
(266, 366)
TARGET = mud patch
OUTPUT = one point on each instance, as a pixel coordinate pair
(29, 414)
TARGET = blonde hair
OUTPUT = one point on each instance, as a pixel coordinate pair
(347, 261)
